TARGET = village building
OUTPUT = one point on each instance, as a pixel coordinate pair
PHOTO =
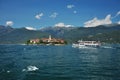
(34, 41)
(47, 41)
(52, 40)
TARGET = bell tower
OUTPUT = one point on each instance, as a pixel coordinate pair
(50, 37)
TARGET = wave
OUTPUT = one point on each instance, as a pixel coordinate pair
(8, 71)
(31, 68)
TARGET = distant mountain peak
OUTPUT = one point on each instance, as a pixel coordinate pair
(5, 27)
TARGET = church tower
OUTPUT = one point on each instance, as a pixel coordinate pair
(50, 38)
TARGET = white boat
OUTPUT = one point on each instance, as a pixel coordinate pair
(86, 44)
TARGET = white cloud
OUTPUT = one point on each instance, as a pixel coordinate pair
(69, 25)
(118, 22)
(118, 13)
(9, 23)
(95, 22)
(74, 12)
(54, 15)
(30, 28)
(70, 6)
(62, 25)
(38, 16)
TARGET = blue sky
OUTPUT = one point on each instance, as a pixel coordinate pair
(44, 13)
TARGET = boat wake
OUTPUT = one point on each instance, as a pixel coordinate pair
(107, 47)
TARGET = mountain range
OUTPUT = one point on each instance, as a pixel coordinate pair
(104, 33)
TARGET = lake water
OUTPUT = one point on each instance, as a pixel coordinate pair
(33, 62)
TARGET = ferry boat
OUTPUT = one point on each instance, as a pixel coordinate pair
(86, 44)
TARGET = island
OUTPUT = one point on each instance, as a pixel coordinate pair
(46, 41)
